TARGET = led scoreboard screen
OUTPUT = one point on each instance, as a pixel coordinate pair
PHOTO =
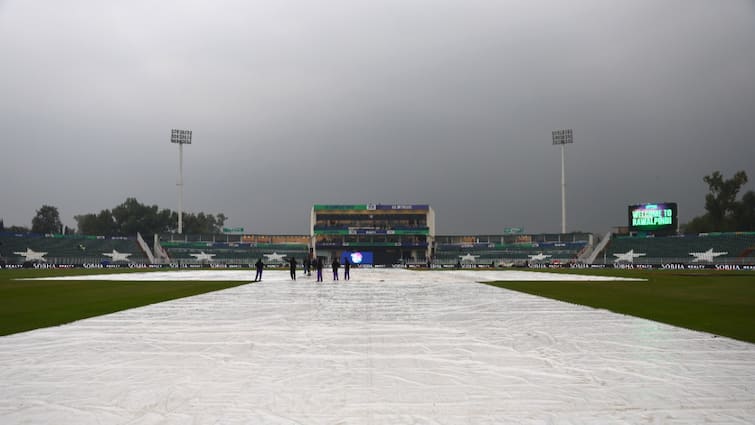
(356, 257)
(657, 218)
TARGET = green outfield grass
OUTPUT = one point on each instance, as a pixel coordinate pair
(719, 302)
(32, 304)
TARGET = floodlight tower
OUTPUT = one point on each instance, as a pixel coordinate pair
(562, 137)
(182, 137)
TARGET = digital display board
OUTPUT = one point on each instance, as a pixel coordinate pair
(655, 218)
(357, 257)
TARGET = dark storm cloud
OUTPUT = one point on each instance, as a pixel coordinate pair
(449, 103)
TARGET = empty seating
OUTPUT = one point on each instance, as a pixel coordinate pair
(223, 252)
(718, 247)
(510, 248)
(73, 249)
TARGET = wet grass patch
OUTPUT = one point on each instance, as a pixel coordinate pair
(722, 303)
(33, 304)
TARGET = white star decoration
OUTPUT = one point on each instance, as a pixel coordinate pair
(539, 257)
(274, 257)
(30, 255)
(628, 256)
(117, 256)
(469, 257)
(706, 256)
(202, 256)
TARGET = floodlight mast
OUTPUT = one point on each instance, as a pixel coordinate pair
(181, 137)
(562, 137)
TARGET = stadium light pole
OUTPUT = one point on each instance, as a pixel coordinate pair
(181, 137)
(562, 137)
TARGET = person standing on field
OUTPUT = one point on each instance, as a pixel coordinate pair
(259, 265)
(307, 263)
(292, 266)
(318, 267)
(346, 268)
(335, 265)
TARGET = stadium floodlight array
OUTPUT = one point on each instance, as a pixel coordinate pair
(181, 137)
(563, 137)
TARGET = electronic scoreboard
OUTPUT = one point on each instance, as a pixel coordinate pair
(653, 218)
(357, 257)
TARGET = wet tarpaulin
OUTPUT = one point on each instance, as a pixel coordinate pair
(388, 347)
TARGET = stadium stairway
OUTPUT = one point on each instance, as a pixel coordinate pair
(599, 248)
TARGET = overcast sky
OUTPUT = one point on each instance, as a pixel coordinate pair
(448, 103)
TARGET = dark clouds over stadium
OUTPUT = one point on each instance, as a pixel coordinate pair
(449, 103)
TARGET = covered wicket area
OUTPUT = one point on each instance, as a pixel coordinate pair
(388, 347)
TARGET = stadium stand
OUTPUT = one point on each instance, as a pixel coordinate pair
(73, 249)
(517, 249)
(496, 250)
(727, 248)
(238, 251)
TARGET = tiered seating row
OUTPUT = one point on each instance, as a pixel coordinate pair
(65, 248)
(725, 246)
(225, 252)
(510, 252)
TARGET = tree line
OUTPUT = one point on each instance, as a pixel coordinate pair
(125, 219)
(724, 213)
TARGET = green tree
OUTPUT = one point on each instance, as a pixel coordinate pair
(744, 214)
(17, 229)
(723, 212)
(202, 223)
(47, 220)
(721, 202)
(101, 224)
(133, 216)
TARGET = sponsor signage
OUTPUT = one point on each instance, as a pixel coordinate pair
(366, 255)
(321, 207)
(355, 231)
(371, 244)
(371, 207)
(402, 207)
(233, 230)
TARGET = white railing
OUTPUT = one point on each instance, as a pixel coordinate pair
(145, 248)
(598, 249)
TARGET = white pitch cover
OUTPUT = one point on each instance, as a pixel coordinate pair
(388, 347)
